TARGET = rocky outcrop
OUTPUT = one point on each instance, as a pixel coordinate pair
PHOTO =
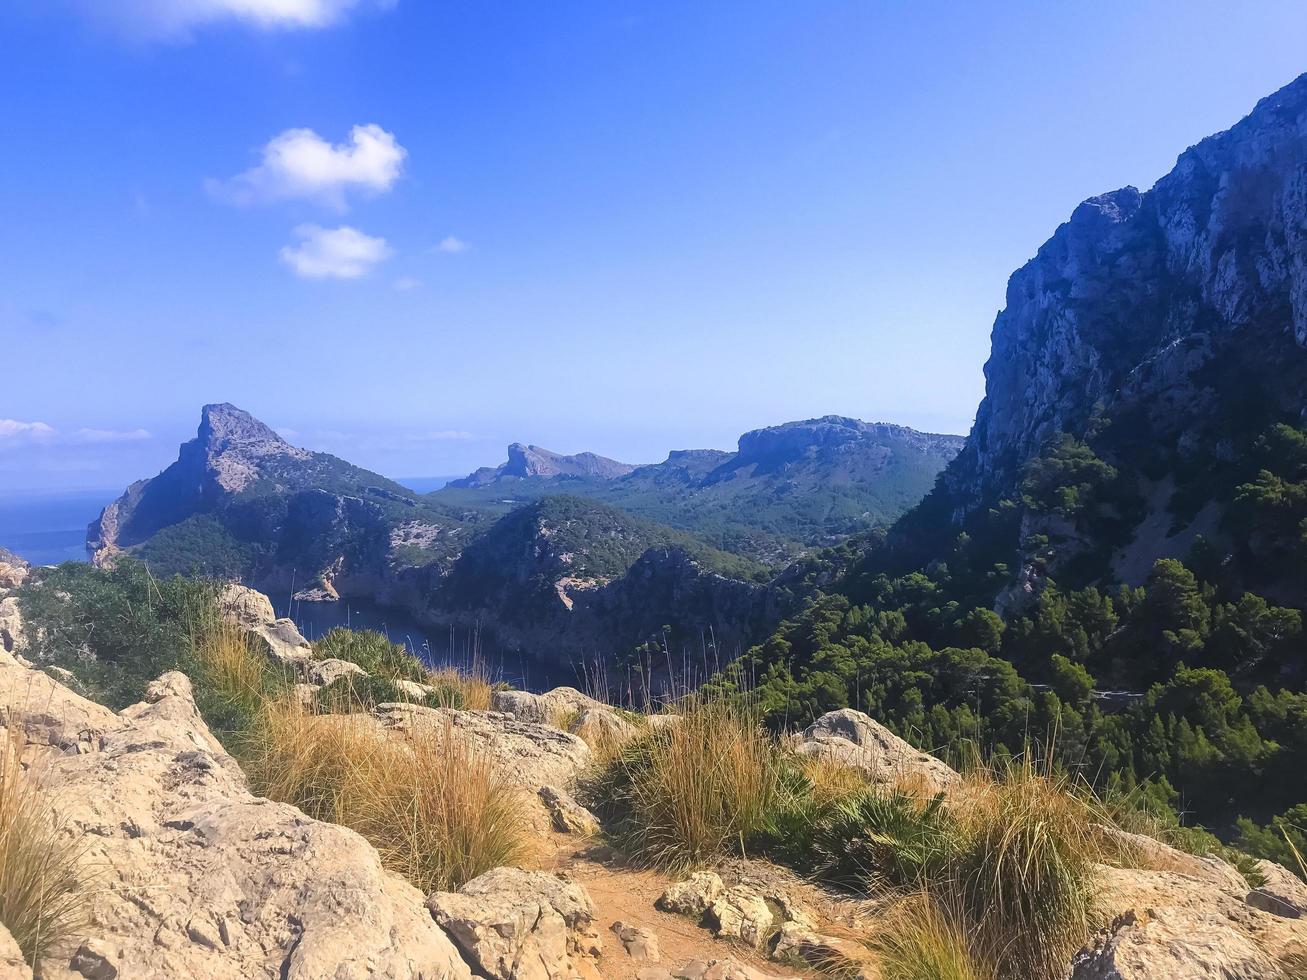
(1165, 944)
(194, 876)
(512, 924)
(528, 462)
(543, 709)
(531, 755)
(853, 739)
(252, 611)
(1285, 889)
(741, 914)
(14, 571)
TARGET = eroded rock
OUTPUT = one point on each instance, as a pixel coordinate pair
(12, 964)
(693, 896)
(640, 944)
(513, 924)
(544, 709)
(1171, 944)
(741, 913)
(531, 755)
(1284, 886)
(195, 877)
(566, 815)
(853, 739)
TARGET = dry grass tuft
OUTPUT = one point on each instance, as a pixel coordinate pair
(42, 900)
(920, 940)
(437, 812)
(684, 794)
(1026, 879)
(472, 691)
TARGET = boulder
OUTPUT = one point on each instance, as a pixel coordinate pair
(1284, 886)
(1172, 944)
(196, 877)
(839, 957)
(323, 672)
(52, 716)
(693, 896)
(741, 913)
(521, 925)
(640, 944)
(543, 709)
(566, 815)
(253, 612)
(1147, 852)
(12, 964)
(601, 726)
(853, 739)
(531, 755)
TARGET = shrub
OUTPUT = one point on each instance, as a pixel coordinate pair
(41, 896)
(893, 838)
(115, 630)
(922, 941)
(371, 651)
(437, 812)
(692, 791)
(346, 695)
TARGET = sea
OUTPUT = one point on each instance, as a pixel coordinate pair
(47, 528)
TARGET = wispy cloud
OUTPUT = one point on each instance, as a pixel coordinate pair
(112, 435)
(300, 164)
(176, 19)
(334, 253)
(452, 245)
(286, 432)
(406, 283)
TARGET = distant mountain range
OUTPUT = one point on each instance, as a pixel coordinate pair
(558, 554)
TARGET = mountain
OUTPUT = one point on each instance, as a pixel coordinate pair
(785, 488)
(1164, 334)
(526, 462)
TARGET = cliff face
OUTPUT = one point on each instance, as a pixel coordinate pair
(1173, 311)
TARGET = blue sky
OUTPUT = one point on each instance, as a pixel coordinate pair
(411, 232)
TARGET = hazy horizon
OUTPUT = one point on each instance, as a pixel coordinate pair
(410, 234)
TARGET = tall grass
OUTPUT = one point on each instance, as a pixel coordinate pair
(687, 793)
(1025, 879)
(923, 940)
(437, 812)
(234, 675)
(471, 690)
(42, 901)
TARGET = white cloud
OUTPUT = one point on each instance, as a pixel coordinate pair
(334, 253)
(452, 245)
(177, 18)
(299, 163)
(406, 283)
(14, 429)
(112, 435)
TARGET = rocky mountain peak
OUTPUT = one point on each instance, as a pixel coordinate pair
(1139, 301)
(224, 426)
(231, 443)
